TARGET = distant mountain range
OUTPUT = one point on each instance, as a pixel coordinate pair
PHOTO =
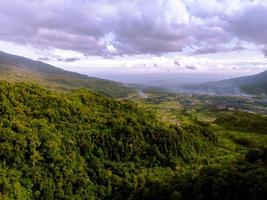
(254, 84)
(19, 69)
(16, 68)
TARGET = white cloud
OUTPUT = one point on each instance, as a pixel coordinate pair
(202, 35)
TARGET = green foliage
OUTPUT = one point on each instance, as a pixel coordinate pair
(232, 182)
(71, 146)
(244, 121)
(82, 145)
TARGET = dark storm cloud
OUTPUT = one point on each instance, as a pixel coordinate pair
(250, 24)
(44, 24)
(160, 40)
(129, 27)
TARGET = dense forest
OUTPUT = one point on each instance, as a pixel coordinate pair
(244, 121)
(83, 145)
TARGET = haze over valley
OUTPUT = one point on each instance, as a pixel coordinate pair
(165, 80)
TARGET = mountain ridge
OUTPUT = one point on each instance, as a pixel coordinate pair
(20, 69)
(251, 85)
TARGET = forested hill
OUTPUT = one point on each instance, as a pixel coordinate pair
(82, 145)
(16, 68)
(70, 146)
(254, 84)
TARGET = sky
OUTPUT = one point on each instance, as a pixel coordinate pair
(227, 37)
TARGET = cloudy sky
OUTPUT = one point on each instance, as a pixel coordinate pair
(97, 36)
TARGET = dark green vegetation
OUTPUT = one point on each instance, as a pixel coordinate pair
(18, 69)
(82, 145)
(254, 84)
(244, 121)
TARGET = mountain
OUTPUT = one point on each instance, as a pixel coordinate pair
(20, 69)
(254, 84)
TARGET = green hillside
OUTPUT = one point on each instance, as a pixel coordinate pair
(254, 84)
(82, 145)
(72, 145)
(16, 68)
